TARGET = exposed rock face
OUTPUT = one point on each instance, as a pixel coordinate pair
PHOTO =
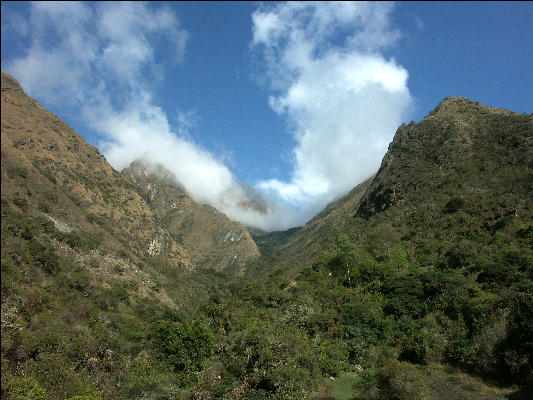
(212, 239)
(51, 171)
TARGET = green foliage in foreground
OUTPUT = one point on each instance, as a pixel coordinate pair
(372, 309)
(186, 345)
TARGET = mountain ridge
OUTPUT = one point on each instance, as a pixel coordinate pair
(210, 237)
(37, 145)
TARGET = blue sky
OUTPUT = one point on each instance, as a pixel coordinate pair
(296, 100)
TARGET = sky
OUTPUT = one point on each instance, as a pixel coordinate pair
(292, 102)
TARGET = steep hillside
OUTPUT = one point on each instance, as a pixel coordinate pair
(454, 180)
(49, 170)
(87, 266)
(434, 264)
(464, 157)
(310, 243)
(462, 148)
(211, 239)
(315, 238)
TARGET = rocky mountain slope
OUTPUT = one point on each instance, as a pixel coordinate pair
(461, 148)
(73, 185)
(53, 172)
(50, 173)
(212, 240)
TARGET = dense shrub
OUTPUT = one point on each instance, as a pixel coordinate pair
(458, 351)
(44, 256)
(185, 345)
(20, 202)
(453, 205)
(23, 388)
(405, 295)
(139, 378)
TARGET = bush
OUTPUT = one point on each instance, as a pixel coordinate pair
(184, 344)
(461, 254)
(31, 227)
(458, 351)
(333, 357)
(117, 294)
(381, 239)
(23, 388)
(401, 381)
(44, 207)
(20, 202)
(517, 349)
(82, 240)
(96, 219)
(453, 205)
(140, 377)
(22, 172)
(274, 363)
(405, 296)
(79, 279)
(55, 374)
(44, 257)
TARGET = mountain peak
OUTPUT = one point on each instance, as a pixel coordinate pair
(9, 83)
(458, 106)
(211, 239)
(458, 140)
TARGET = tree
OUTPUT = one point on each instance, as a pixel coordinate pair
(185, 344)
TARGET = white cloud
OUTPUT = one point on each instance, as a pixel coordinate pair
(100, 60)
(82, 51)
(142, 130)
(322, 61)
(343, 98)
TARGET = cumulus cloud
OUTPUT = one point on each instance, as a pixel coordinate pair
(343, 98)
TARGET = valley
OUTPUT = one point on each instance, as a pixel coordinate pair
(417, 284)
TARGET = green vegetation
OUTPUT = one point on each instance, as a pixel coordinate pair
(416, 285)
(185, 345)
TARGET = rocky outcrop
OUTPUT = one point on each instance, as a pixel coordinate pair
(212, 240)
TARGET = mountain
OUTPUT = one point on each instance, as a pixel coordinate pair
(436, 176)
(462, 148)
(309, 243)
(50, 171)
(416, 284)
(211, 239)
(87, 263)
(429, 262)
